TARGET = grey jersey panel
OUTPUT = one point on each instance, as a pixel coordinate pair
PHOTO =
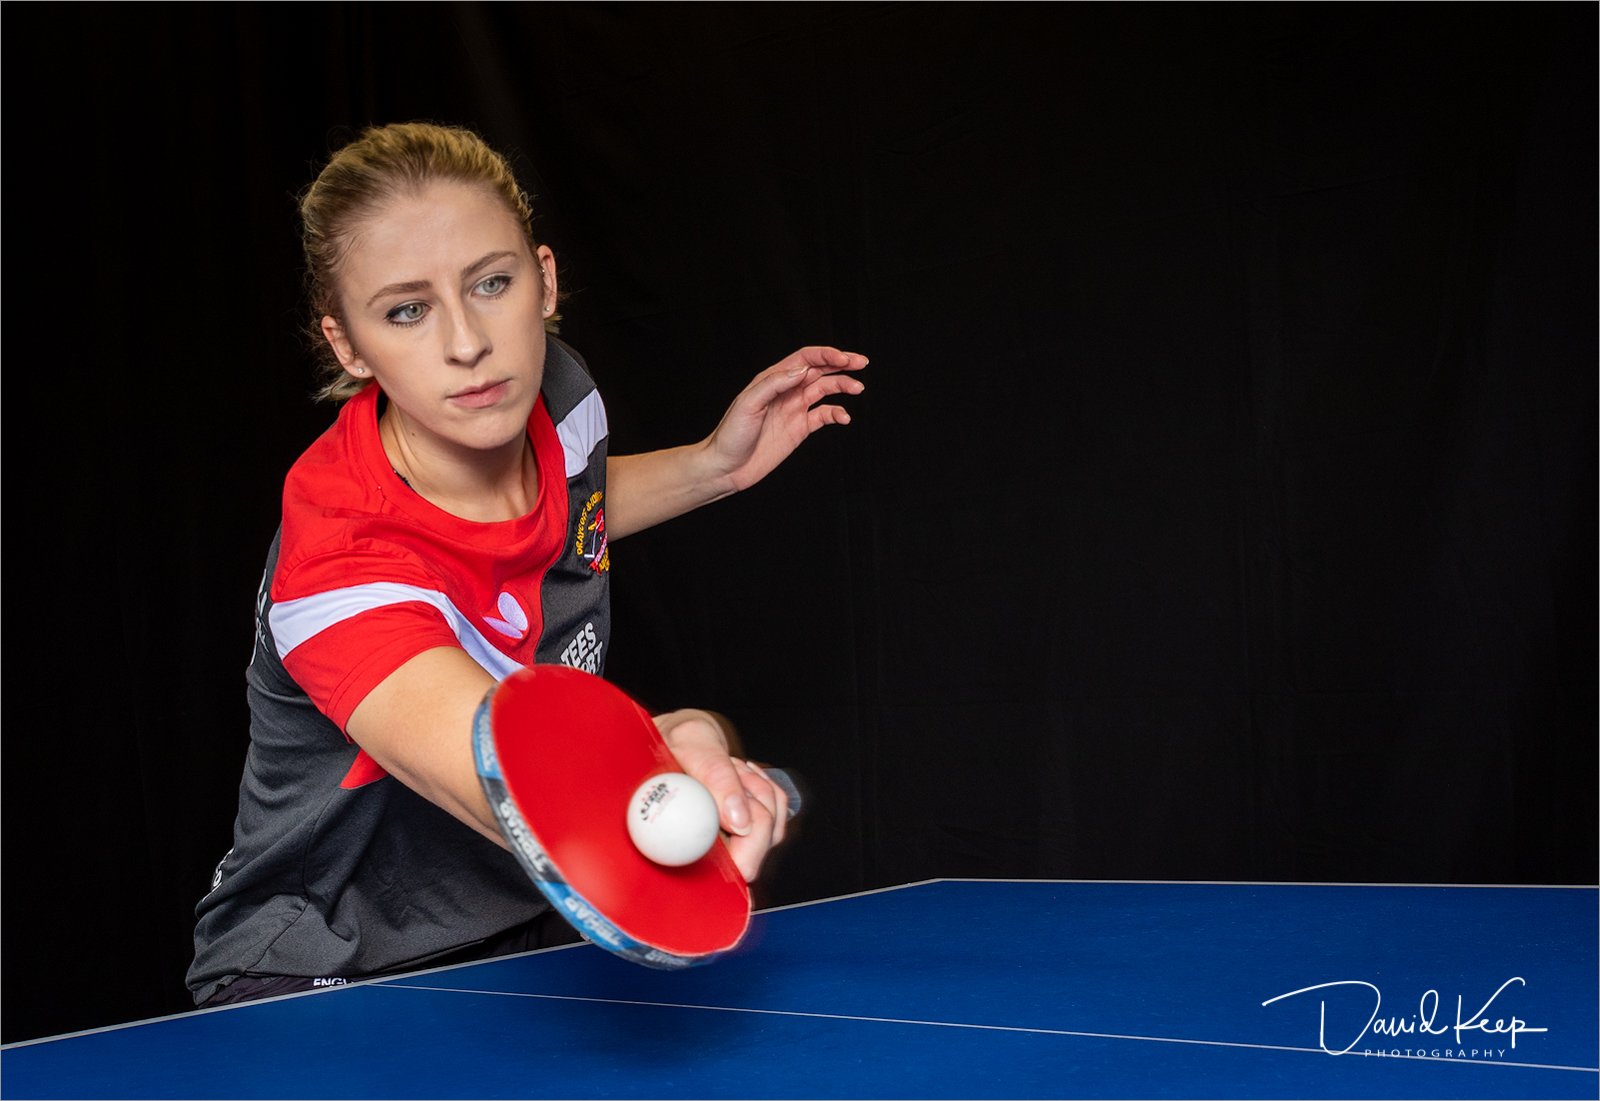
(577, 627)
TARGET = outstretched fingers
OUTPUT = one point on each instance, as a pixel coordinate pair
(807, 366)
(821, 357)
(824, 415)
(829, 385)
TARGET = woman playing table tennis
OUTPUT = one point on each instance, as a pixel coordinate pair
(452, 526)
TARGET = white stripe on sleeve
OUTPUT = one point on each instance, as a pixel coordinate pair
(295, 621)
(581, 430)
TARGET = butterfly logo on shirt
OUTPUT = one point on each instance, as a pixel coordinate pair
(512, 621)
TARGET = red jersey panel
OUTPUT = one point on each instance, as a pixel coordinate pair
(370, 574)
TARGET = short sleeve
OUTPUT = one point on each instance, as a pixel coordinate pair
(339, 664)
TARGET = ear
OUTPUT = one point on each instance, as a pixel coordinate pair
(547, 276)
(333, 332)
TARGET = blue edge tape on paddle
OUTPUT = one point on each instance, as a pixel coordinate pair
(542, 870)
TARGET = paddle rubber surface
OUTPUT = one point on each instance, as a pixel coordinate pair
(559, 752)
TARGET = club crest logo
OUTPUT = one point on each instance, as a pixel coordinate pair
(591, 534)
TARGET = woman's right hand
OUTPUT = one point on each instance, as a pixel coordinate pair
(752, 809)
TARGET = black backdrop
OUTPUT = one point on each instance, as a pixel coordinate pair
(1222, 505)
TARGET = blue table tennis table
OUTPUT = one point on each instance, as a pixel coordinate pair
(949, 988)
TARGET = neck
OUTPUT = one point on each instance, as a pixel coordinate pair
(483, 486)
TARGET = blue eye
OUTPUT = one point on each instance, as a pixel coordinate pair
(408, 314)
(495, 285)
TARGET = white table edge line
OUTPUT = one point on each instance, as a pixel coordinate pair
(979, 1027)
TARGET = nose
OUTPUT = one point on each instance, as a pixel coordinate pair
(466, 338)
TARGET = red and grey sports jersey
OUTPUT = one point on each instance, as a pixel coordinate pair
(337, 869)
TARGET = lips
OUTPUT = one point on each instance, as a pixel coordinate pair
(481, 397)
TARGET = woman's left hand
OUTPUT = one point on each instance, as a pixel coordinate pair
(752, 809)
(778, 410)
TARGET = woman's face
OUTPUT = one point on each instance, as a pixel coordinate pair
(444, 307)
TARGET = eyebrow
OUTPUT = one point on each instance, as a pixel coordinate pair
(423, 284)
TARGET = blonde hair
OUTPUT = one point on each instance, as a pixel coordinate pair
(384, 163)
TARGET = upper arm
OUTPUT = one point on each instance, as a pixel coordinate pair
(417, 724)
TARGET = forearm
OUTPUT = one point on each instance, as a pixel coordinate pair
(644, 490)
(417, 724)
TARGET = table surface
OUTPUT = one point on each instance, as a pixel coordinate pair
(950, 988)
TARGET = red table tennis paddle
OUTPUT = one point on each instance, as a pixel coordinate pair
(559, 752)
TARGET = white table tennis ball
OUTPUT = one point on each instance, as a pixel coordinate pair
(672, 819)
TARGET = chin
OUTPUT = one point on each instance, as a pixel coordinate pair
(499, 429)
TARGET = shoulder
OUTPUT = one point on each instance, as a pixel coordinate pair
(338, 467)
(341, 525)
(567, 380)
(575, 408)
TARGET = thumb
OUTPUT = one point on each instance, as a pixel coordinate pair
(728, 790)
(702, 752)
